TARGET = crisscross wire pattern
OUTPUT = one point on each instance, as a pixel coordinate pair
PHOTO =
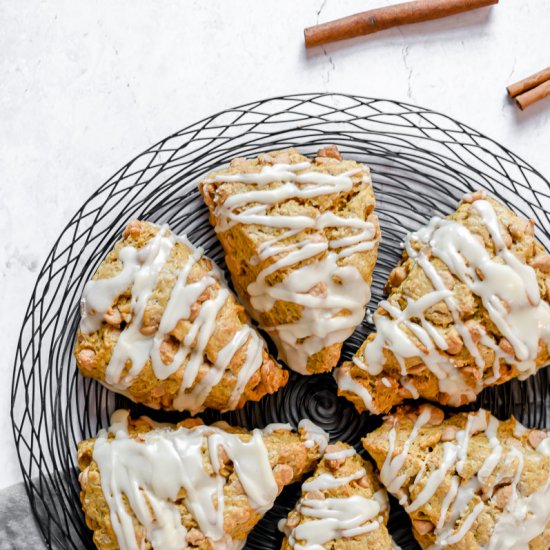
(422, 163)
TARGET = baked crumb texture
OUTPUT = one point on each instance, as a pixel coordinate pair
(146, 485)
(467, 307)
(468, 482)
(300, 238)
(342, 506)
(159, 326)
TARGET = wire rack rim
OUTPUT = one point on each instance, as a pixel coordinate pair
(31, 344)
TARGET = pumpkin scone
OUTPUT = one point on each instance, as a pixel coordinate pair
(151, 486)
(300, 239)
(160, 326)
(469, 482)
(343, 506)
(468, 307)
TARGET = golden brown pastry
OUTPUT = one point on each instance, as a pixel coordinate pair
(468, 482)
(468, 307)
(146, 485)
(300, 238)
(342, 507)
(160, 326)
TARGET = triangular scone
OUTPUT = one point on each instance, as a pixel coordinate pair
(342, 506)
(301, 238)
(468, 307)
(469, 482)
(146, 485)
(160, 326)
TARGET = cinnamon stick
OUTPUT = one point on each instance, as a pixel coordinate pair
(372, 21)
(532, 96)
(528, 83)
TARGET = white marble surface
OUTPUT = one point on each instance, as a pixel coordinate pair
(85, 86)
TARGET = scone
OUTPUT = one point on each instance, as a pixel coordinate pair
(301, 238)
(160, 326)
(468, 308)
(146, 485)
(469, 482)
(342, 507)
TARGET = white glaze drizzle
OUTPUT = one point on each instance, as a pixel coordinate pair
(393, 464)
(409, 386)
(140, 272)
(277, 427)
(463, 438)
(346, 382)
(507, 287)
(338, 455)
(254, 360)
(434, 480)
(519, 429)
(326, 481)
(491, 462)
(334, 518)
(343, 287)
(132, 344)
(119, 421)
(314, 434)
(532, 511)
(544, 446)
(99, 295)
(527, 519)
(151, 471)
(420, 473)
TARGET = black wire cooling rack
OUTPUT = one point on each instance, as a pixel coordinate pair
(422, 163)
